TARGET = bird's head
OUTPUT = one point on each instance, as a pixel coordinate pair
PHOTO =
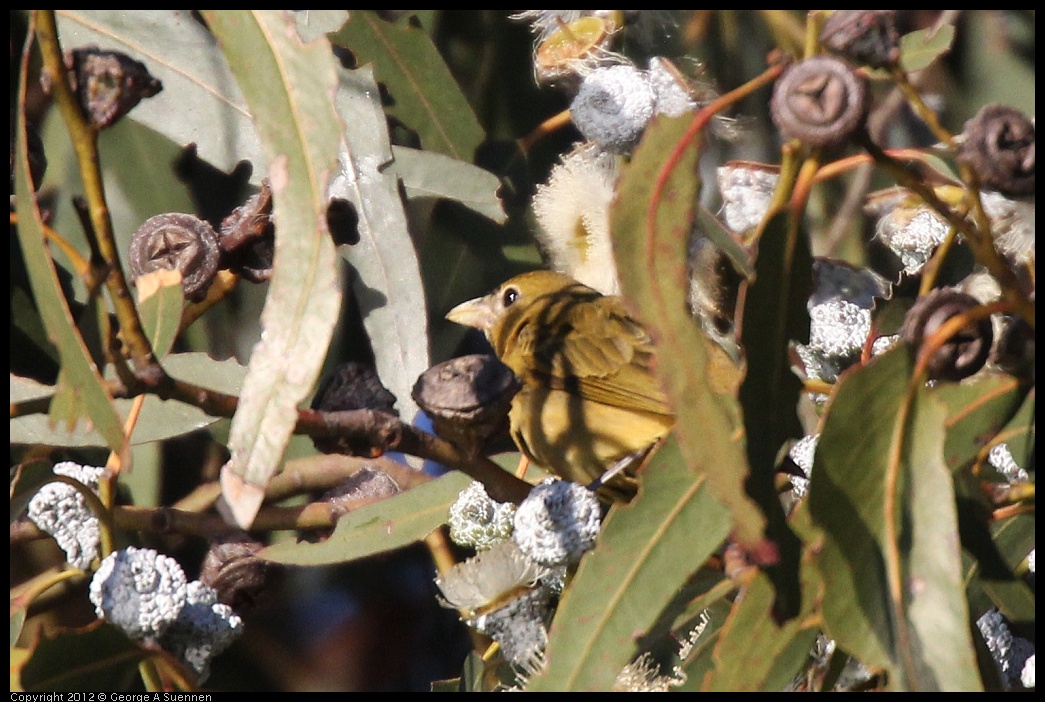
(505, 305)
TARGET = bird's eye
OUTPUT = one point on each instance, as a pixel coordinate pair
(510, 296)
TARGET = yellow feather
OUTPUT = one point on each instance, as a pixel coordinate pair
(589, 394)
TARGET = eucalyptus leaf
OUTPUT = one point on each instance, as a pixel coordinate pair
(96, 657)
(754, 651)
(644, 554)
(80, 392)
(379, 527)
(387, 276)
(891, 562)
(158, 419)
(651, 258)
(977, 410)
(920, 48)
(424, 95)
(426, 174)
(200, 103)
(288, 85)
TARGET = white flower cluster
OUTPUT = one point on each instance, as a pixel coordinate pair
(477, 520)
(508, 589)
(913, 238)
(503, 594)
(913, 230)
(147, 596)
(61, 511)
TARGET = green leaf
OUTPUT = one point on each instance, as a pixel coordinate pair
(774, 314)
(706, 224)
(186, 58)
(379, 527)
(426, 174)
(424, 95)
(289, 86)
(891, 561)
(651, 261)
(993, 584)
(645, 553)
(976, 412)
(160, 314)
(97, 657)
(756, 653)
(387, 281)
(80, 392)
(920, 48)
(158, 420)
(17, 622)
(1019, 434)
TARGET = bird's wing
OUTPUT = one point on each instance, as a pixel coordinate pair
(598, 351)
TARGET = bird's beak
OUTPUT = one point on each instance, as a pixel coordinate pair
(473, 313)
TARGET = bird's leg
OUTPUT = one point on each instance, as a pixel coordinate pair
(524, 464)
(618, 467)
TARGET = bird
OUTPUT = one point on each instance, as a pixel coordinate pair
(589, 397)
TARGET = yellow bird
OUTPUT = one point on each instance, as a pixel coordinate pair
(589, 397)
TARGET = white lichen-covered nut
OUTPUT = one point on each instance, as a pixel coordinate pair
(746, 190)
(1010, 653)
(477, 520)
(60, 510)
(520, 626)
(673, 97)
(573, 213)
(1003, 461)
(488, 577)
(557, 522)
(140, 591)
(912, 237)
(884, 343)
(204, 629)
(613, 107)
(839, 328)
(803, 453)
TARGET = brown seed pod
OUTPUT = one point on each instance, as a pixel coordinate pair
(966, 351)
(177, 241)
(108, 83)
(362, 487)
(468, 399)
(233, 569)
(351, 386)
(821, 101)
(866, 37)
(999, 145)
(1014, 352)
(247, 237)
